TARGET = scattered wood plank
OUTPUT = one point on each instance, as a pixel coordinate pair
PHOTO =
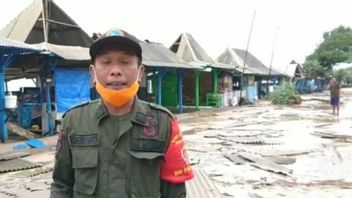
(14, 128)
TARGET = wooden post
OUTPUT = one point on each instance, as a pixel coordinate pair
(196, 88)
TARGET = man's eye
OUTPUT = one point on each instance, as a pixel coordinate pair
(124, 62)
(106, 62)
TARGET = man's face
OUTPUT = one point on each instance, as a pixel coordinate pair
(116, 69)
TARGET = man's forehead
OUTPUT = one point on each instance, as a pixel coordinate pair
(116, 50)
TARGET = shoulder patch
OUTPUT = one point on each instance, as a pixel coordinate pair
(158, 107)
(78, 105)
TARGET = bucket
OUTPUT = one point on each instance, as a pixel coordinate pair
(10, 102)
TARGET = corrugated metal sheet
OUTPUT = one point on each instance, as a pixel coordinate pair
(253, 66)
(292, 70)
(8, 45)
(21, 26)
(187, 48)
(198, 51)
(201, 186)
(67, 52)
(16, 164)
(252, 62)
(28, 27)
(157, 55)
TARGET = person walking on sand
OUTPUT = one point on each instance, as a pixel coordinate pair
(335, 95)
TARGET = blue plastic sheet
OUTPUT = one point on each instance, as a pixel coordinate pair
(71, 88)
(252, 93)
(35, 143)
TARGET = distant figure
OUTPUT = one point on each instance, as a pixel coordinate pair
(335, 95)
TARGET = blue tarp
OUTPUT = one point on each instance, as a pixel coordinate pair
(252, 93)
(71, 88)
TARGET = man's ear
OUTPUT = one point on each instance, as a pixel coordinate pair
(141, 73)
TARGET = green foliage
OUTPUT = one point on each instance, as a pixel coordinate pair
(336, 48)
(313, 69)
(283, 94)
(344, 75)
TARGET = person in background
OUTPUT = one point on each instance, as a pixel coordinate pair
(335, 96)
(118, 145)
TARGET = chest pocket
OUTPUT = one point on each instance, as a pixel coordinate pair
(84, 150)
(146, 156)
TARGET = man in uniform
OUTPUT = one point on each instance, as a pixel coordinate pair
(119, 146)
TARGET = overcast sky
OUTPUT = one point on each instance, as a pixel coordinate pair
(297, 25)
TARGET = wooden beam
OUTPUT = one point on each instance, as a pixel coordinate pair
(14, 128)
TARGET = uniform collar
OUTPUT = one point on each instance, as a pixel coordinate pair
(138, 115)
(100, 112)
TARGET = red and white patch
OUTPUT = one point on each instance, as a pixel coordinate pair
(150, 130)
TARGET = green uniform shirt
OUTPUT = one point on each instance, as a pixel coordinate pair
(106, 156)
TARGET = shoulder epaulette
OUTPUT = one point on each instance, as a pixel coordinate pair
(159, 107)
(78, 105)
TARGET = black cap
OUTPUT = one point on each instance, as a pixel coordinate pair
(115, 37)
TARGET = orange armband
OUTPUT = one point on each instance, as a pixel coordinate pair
(175, 167)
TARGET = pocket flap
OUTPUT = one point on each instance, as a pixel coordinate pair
(146, 155)
(84, 157)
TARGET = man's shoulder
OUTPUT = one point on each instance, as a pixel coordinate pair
(81, 106)
(157, 108)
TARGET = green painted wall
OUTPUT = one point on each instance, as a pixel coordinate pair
(169, 89)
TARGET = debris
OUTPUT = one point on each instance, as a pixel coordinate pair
(282, 160)
(35, 143)
(32, 173)
(8, 194)
(238, 160)
(263, 163)
(15, 155)
(235, 159)
(201, 185)
(21, 147)
(340, 183)
(14, 128)
(16, 164)
(250, 140)
(332, 135)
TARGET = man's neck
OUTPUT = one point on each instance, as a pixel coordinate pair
(117, 111)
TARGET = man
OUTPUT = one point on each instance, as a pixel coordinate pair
(119, 146)
(335, 95)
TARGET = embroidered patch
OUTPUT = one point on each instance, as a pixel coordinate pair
(84, 140)
(147, 145)
(150, 130)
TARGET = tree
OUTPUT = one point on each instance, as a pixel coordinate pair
(344, 75)
(313, 69)
(336, 48)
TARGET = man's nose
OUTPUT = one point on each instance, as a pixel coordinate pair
(115, 70)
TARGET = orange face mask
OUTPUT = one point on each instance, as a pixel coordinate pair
(117, 97)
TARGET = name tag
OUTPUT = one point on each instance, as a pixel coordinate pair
(84, 140)
(146, 145)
